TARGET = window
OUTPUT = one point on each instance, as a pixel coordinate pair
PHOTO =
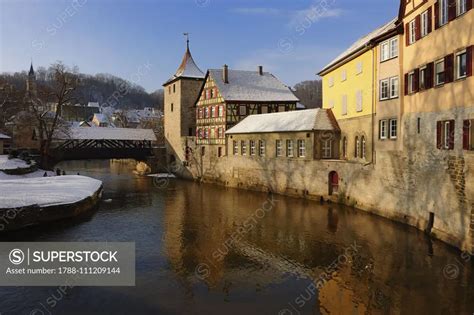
(174, 88)
(363, 148)
(424, 23)
(461, 7)
(243, 147)
(200, 113)
(264, 109)
(279, 148)
(172, 106)
(243, 110)
(327, 149)
(394, 47)
(221, 111)
(236, 148)
(213, 112)
(206, 133)
(357, 147)
(344, 148)
(389, 49)
(344, 105)
(289, 148)
(261, 147)
(212, 93)
(394, 87)
(439, 72)
(301, 148)
(383, 129)
(422, 78)
(252, 147)
(220, 132)
(411, 82)
(359, 67)
(412, 32)
(331, 81)
(445, 135)
(385, 51)
(393, 128)
(206, 112)
(384, 89)
(443, 12)
(461, 65)
(344, 75)
(468, 135)
(359, 99)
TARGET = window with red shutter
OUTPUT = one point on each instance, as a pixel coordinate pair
(430, 20)
(406, 84)
(439, 135)
(429, 75)
(451, 135)
(436, 14)
(449, 70)
(417, 27)
(466, 135)
(469, 60)
(452, 9)
(416, 81)
(407, 34)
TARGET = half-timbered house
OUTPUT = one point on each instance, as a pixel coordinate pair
(228, 96)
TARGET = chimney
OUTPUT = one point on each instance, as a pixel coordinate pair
(225, 74)
(260, 70)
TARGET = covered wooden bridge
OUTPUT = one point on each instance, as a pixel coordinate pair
(104, 143)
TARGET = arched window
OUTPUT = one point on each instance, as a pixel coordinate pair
(363, 149)
(344, 148)
(357, 148)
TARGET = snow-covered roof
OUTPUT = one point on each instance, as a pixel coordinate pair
(362, 42)
(300, 106)
(93, 104)
(187, 69)
(109, 134)
(301, 120)
(252, 86)
(3, 136)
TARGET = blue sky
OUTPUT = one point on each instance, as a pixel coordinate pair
(142, 40)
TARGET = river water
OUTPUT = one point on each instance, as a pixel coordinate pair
(203, 249)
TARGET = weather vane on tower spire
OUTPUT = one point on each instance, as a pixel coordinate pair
(187, 39)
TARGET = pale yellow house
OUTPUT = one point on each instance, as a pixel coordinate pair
(350, 91)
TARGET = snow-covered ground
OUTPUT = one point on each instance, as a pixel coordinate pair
(44, 192)
(6, 164)
(38, 173)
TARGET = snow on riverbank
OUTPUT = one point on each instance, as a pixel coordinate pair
(6, 164)
(46, 191)
(38, 173)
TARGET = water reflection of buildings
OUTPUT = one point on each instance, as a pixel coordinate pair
(390, 274)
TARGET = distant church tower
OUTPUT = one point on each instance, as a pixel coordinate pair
(31, 82)
(181, 93)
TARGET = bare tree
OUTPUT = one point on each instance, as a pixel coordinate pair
(47, 106)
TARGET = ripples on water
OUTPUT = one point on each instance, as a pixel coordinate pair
(203, 249)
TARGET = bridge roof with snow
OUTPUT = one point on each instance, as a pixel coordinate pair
(122, 134)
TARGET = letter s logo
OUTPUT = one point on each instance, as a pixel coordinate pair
(16, 256)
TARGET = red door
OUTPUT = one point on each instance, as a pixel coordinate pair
(333, 183)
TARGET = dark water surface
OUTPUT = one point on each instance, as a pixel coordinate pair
(204, 249)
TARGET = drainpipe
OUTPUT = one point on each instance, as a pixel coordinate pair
(374, 61)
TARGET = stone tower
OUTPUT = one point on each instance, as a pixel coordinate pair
(31, 82)
(181, 93)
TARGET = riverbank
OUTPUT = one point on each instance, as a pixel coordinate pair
(32, 201)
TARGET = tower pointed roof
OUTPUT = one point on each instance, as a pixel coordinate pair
(187, 68)
(32, 71)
